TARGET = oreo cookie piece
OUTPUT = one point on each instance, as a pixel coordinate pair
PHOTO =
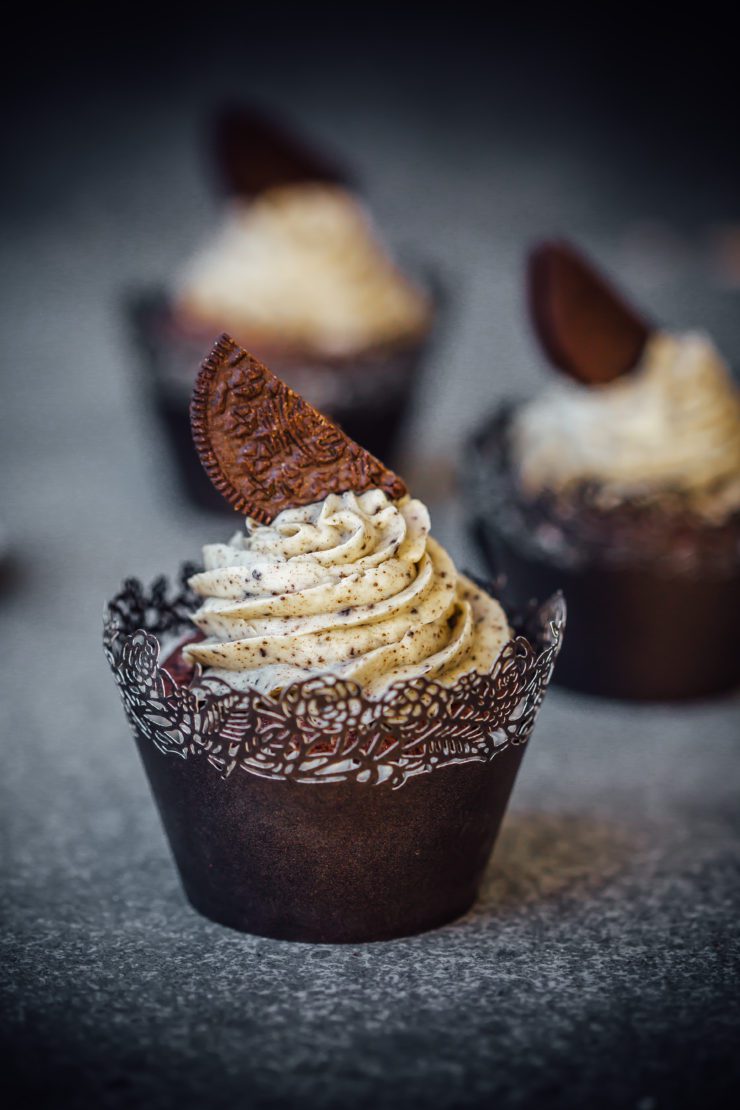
(255, 152)
(586, 328)
(266, 449)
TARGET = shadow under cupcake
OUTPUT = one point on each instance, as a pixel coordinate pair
(620, 486)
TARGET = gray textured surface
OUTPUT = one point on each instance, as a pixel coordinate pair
(600, 967)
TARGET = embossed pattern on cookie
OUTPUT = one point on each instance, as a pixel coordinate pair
(266, 449)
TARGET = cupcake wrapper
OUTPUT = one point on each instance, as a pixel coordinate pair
(324, 814)
(642, 626)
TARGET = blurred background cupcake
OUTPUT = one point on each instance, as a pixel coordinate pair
(296, 271)
(620, 484)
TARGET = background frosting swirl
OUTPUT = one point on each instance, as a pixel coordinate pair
(673, 424)
(302, 267)
(354, 586)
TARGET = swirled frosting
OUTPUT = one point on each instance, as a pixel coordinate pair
(353, 585)
(301, 267)
(671, 426)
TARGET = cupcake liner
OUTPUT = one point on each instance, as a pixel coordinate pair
(368, 395)
(325, 814)
(651, 616)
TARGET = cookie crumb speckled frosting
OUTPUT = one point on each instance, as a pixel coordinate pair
(354, 586)
(671, 427)
(301, 267)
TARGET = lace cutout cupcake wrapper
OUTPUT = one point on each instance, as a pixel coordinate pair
(324, 729)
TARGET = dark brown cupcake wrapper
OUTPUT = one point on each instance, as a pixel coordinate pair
(315, 816)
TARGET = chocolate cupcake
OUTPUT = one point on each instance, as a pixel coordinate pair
(619, 484)
(336, 727)
(296, 270)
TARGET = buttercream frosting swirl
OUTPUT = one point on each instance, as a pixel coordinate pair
(670, 426)
(301, 267)
(354, 586)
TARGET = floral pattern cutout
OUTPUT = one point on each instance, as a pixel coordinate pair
(324, 729)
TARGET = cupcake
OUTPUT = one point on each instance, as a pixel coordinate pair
(297, 271)
(330, 715)
(620, 484)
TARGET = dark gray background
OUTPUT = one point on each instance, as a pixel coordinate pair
(600, 967)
